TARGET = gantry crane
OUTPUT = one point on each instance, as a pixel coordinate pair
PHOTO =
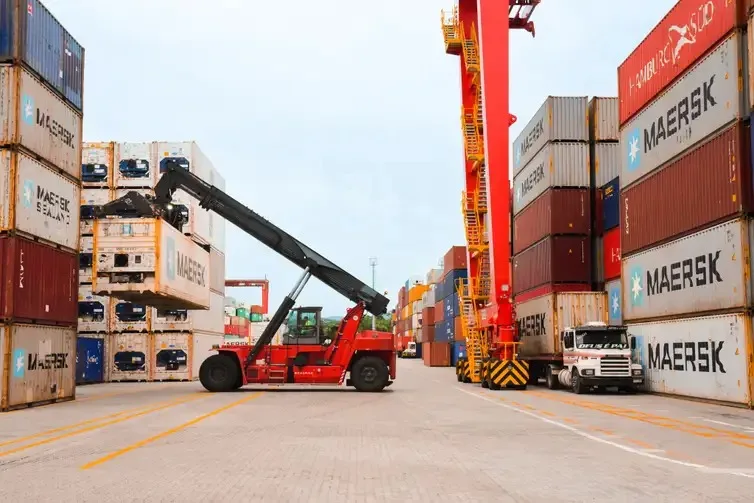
(264, 284)
(478, 32)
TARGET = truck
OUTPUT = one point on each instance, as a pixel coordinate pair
(365, 360)
(410, 351)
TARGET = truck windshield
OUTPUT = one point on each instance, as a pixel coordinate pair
(601, 339)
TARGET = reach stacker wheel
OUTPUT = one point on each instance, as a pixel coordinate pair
(220, 373)
(369, 374)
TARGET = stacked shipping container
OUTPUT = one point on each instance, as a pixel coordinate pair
(41, 82)
(685, 194)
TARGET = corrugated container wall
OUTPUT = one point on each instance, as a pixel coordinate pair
(45, 202)
(175, 348)
(704, 272)
(203, 349)
(558, 259)
(649, 68)
(603, 119)
(32, 116)
(606, 161)
(611, 254)
(38, 283)
(556, 165)
(551, 288)
(216, 271)
(610, 202)
(93, 311)
(704, 100)
(614, 301)
(557, 211)
(721, 167)
(97, 161)
(37, 39)
(560, 118)
(455, 258)
(129, 357)
(706, 357)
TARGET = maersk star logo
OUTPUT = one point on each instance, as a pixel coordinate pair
(170, 257)
(27, 109)
(27, 195)
(614, 303)
(19, 357)
(634, 150)
(518, 154)
(518, 194)
(637, 289)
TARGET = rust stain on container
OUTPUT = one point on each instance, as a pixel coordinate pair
(38, 283)
(555, 259)
(436, 354)
(557, 211)
(710, 184)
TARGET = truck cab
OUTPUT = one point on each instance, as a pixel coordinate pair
(410, 351)
(596, 355)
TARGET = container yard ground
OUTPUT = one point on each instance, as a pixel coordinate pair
(426, 439)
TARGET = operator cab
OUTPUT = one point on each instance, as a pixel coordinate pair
(304, 326)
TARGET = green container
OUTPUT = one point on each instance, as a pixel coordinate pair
(256, 317)
(242, 312)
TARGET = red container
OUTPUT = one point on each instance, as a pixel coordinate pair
(557, 211)
(257, 309)
(555, 259)
(709, 184)
(436, 354)
(439, 311)
(455, 258)
(611, 254)
(654, 65)
(428, 333)
(428, 316)
(38, 283)
(598, 223)
(402, 297)
(458, 332)
(551, 288)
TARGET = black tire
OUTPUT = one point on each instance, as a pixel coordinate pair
(220, 373)
(576, 385)
(369, 374)
(631, 390)
(552, 380)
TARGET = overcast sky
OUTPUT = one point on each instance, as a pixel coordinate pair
(336, 120)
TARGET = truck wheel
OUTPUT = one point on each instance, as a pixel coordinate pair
(369, 374)
(552, 380)
(220, 373)
(576, 385)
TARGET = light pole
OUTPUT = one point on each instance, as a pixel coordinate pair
(373, 265)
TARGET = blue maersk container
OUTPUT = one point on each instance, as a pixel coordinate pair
(89, 360)
(450, 305)
(449, 282)
(457, 350)
(444, 331)
(611, 204)
(29, 34)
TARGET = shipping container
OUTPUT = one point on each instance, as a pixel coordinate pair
(128, 316)
(94, 311)
(556, 165)
(216, 271)
(701, 102)
(451, 306)
(85, 264)
(172, 356)
(428, 315)
(606, 162)
(32, 116)
(38, 283)
(436, 354)
(210, 320)
(89, 199)
(610, 197)
(450, 282)
(598, 224)
(455, 258)
(611, 254)
(457, 351)
(540, 320)
(551, 288)
(32, 36)
(166, 268)
(198, 225)
(427, 334)
(44, 203)
(97, 160)
(129, 357)
(706, 271)
(709, 184)
(42, 364)
(705, 357)
(439, 310)
(557, 211)
(433, 276)
(135, 165)
(555, 259)
(560, 118)
(415, 292)
(172, 320)
(603, 119)
(667, 52)
(614, 292)
(90, 356)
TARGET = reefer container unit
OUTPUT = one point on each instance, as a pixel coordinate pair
(555, 259)
(44, 202)
(560, 118)
(540, 320)
(42, 364)
(94, 311)
(38, 283)
(706, 357)
(603, 119)
(85, 260)
(135, 165)
(90, 359)
(149, 262)
(38, 120)
(89, 199)
(611, 254)
(170, 320)
(97, 160)
(606, 162)
(129, 357)
(216, 271)
(32, 36)
(709, 184)
(203, 344)
(128, 316)
(701, 102)
(614, 301)
(706, 271)
(172, 356)
(610, 202)
(436, 354)
(557, 211)
(556, 165)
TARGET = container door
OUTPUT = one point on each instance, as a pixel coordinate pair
(89, 356)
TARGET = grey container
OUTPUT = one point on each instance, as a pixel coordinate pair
(604, 124)
(605, 162)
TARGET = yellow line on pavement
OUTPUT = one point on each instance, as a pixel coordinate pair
(166, 433)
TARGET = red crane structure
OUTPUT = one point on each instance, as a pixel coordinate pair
(261, 283)
(478, 32)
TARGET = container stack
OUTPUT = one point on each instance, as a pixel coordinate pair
(447, 315)
(41, 109)
(685, 188)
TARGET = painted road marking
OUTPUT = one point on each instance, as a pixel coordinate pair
(746, 473)
(192, 397)
(167, 433)
(723, 423)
